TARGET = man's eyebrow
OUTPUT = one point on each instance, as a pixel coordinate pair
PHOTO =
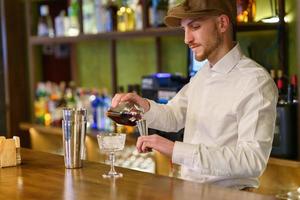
(194, 20)
(188, 24)
(197, 19)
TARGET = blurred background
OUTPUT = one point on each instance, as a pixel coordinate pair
(79, 53)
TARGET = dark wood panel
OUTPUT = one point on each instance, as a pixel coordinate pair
(44, 176)
(158, 52)
(2, 92)
(113, 60)
(282, 37)
(259, 26)
(57, 63)
(13, 24)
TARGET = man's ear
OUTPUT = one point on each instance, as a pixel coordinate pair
(224, 23)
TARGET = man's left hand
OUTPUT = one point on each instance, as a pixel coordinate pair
(156, 142)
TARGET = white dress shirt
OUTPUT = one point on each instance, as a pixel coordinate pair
(228, 112)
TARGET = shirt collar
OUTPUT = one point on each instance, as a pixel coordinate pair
(229, 61)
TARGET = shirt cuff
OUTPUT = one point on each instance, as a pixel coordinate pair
(183, 153)
(149, 116)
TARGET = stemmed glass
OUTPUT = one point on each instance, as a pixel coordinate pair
(110, 143)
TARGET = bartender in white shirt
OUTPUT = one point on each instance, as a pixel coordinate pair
(228, 108)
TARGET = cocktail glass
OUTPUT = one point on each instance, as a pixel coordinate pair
(111, 143)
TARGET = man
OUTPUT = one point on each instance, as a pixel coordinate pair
(228, 108)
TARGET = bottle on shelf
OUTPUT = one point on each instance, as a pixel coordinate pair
(100, 15)
(131, 23)
(281, 90)
(61, 24)
(51, 98)
(98, 109)
(94, 105)
(122, 18)
(289, 96)
(55, 106)
(73, 12)
(284, 78)
(138, 13)
(45, 25)
(157, 12)
(121, 89)
(106, 122)
(61, 103)
(273, 75)
(111, 16)
(70, 95)
(40, 103)
(246, 10)
(89, 17)
(294, 88)
(137, 89)
(125, 17)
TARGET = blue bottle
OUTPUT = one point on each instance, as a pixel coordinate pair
(95, 101)
(107, 123)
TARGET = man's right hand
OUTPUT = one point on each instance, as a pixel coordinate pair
(131, 97)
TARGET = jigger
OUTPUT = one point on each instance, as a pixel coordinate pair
(142, 126)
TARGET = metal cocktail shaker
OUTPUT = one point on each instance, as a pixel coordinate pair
(74, 130)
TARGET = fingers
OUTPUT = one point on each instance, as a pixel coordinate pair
(156, 142)
(139, 144)
(142, 144)
(146, 147)
(131, 97)
(145, 144)
(116, 99)
(120, 97)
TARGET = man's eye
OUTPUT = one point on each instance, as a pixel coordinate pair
(195, 27)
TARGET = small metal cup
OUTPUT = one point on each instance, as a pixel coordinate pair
(74, 132)
(142, 126)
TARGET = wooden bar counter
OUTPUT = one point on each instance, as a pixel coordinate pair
(43, 176)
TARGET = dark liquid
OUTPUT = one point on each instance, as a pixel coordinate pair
(127, 119)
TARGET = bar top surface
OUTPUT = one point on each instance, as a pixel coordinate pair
(43, 176)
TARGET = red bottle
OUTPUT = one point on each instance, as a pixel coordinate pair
(294, 83)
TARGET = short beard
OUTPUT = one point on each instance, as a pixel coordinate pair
(212, 47)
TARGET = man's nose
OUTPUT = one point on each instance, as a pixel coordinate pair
(188, 38)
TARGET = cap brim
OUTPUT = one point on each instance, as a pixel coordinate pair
(172, 21)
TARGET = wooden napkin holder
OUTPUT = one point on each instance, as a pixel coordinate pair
(8, 156)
